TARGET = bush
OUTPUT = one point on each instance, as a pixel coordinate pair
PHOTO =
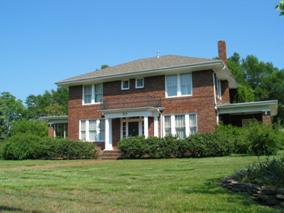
(256, 139)
(267, 173)
(205, 145)
(201, 145)
(27, 146)
(262, 139)
(32, 127)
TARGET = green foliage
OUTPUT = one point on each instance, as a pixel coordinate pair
(201, 145)
(255, 79)
(255, 139)
(27, 146)
(11, 110)
(267, 173)
(263, 139)
(50, 103)
(280, 7)
(34, 127)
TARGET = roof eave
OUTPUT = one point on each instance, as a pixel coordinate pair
(216, 65)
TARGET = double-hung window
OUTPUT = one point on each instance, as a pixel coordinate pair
(179, 85)
(181, 125)
(139, 83)
(92, 130)
(168, 125)
(125, 84)
(93, 94)
(87, 94)
(83, 130)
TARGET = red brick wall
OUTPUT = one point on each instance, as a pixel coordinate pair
(77, 112)
(266, 119)
(115, 132)
(225, 92)
(151, 126)
(50, 131)
(201, 101)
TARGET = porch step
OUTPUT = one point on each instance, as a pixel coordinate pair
(111, 155)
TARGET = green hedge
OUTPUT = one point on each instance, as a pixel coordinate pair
(255, 139)
(27, 146)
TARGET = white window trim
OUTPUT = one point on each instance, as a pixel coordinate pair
(187, 123)
(128, 120)
(93, 94)
(87, 130)
(219, 89)
(178, 86)
(122, 88)
(139, 87)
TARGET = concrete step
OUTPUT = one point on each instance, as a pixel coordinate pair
(110, 155)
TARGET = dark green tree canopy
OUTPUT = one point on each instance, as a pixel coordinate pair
(280, 7)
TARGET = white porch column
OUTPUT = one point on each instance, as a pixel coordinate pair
(146, 130)
(156, 126)
(108, 134)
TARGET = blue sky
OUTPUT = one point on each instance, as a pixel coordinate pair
(44, 41)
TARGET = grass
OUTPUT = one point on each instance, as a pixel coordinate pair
(173, 185)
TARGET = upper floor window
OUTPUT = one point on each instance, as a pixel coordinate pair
(93, 94)
(125, 85)
(178, 85)
(139, 83)
(218, 89)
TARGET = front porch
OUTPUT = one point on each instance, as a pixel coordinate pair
(122, 123)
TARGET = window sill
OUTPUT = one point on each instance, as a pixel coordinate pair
(180, 96)
(98, 103)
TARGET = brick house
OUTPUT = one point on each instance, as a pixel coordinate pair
(158, 96)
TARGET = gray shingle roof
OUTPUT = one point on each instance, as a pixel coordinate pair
(139, 65)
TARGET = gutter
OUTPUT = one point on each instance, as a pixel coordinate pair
(151, 71)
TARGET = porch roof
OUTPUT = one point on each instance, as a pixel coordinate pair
(61, 119)
(131, 112)
(249, 107)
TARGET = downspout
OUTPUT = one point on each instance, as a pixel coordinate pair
(215, 99)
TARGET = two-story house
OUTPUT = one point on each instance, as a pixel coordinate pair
(167, 95)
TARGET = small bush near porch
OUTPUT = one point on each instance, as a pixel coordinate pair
(255, 139)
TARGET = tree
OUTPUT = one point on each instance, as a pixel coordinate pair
(280, 7)
(258, 81)
(32, 127)
(50, 103)
(11, 110)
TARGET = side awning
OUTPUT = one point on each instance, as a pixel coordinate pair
(268, 107)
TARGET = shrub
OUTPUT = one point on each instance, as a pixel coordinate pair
(262, 139)
(205, 145)
(268, 173)
(133, 147)
(27, 146)
(33, 127)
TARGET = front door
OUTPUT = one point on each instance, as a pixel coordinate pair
(133, 128)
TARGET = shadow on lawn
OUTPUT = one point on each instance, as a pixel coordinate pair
(213, 187)
(14, 209)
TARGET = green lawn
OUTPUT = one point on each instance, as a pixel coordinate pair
(175, 185)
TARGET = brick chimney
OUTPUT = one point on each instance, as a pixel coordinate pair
(222, 52)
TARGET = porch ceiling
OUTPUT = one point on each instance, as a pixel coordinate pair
(249, 107)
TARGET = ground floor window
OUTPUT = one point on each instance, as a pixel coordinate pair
(92, 130)
(180, 125)
(131, 127)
